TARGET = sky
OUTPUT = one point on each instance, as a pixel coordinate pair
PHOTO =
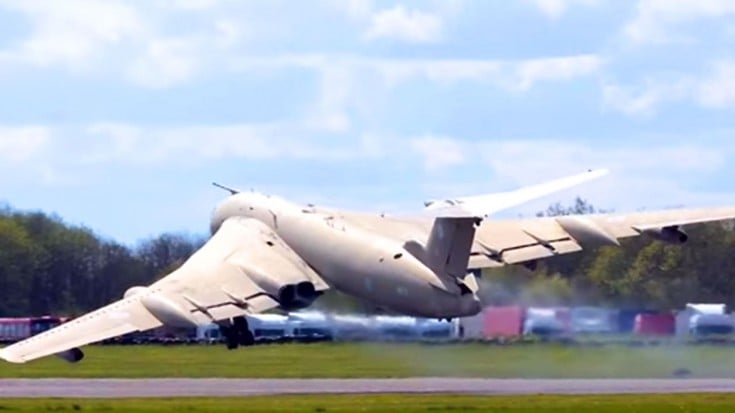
(119, 115)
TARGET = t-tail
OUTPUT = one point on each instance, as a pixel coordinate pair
(447, 250)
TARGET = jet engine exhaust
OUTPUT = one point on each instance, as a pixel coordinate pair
(670, 235)
(73, 355)
(297, 296)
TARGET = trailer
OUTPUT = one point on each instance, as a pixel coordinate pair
(648, 324)
(700, 321)
(503, 322)
(593, 320)
(546, 322)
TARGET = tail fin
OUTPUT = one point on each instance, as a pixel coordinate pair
(447, 251)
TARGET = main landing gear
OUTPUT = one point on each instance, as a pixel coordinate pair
(237, 333)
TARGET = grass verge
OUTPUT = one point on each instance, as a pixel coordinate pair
(329, 360)
(703, 403)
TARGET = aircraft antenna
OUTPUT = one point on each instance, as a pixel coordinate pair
(228, 189)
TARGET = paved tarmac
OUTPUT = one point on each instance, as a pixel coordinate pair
(125, 388)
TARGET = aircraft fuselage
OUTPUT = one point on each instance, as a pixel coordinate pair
(365, 259)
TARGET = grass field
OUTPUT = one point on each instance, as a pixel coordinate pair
(327, 360)
(381, 403)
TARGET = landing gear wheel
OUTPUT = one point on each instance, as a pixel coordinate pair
(244, 335)
(237, 333)
(231, 337)
(247, 339)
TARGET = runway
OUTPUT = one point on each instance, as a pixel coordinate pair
(126, 388)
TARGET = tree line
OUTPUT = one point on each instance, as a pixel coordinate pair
(48, 266)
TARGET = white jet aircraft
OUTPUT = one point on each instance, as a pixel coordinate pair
(266, 252)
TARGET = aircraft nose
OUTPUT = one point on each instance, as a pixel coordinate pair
(214, 222)
(219, 214)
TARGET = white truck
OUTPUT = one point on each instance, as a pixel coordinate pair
(704, 321)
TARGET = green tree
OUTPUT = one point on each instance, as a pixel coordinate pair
(166, 252)
(18, 258)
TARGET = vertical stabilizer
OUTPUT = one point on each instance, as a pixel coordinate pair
(447, 251)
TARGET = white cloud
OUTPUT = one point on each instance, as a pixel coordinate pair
(555, 9)
(525, 158)
(644, 100)
(161, 61)
(141, 42)
(659, 21)
(114, 142)
(552, 69)
(193, 5)
(328, 113)
(26, 155)
(354, 9)
(148, 47)
(396, 71)
(438, 152)
(169, 43)
(718, 89)
(513, 75)
(51, 176)
(355, 83)
(714, 89)
(73, 32)
(227, 33)
(166, 62)
(400, 23)
(20, 144)
(62, 155)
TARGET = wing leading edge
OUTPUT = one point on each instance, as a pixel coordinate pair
(230, 276)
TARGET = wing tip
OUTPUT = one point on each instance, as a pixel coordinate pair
(598, 172)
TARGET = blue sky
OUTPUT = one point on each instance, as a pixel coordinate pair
(118, 115)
